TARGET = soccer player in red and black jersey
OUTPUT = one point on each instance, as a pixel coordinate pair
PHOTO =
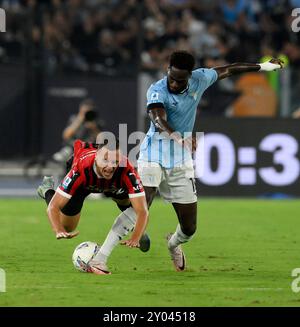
(98, 168)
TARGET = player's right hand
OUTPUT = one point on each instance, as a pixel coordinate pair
(60, 235)
(131, 243)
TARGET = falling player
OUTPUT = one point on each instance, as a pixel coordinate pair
(96, 169)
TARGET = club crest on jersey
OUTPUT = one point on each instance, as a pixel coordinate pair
(154, 96)
(66, 182)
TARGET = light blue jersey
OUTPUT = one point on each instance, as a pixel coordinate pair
(181, 112)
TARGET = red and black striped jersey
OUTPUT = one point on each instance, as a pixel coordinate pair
(83, 177)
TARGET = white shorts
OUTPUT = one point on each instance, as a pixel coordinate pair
(176, 185)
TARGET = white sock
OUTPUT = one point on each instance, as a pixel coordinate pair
(122, 226)
(112, 239)
(178, 238)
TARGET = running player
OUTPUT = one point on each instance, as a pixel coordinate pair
(165, 160)
(98, 169)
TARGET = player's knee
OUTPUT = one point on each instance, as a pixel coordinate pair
(189, 230)
(122, 204)
(122, 225)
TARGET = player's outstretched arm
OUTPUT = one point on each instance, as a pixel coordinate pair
(139, 205)
(239, 68)
(54, 211)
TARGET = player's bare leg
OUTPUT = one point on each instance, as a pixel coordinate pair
(187, 217)
(150, 193)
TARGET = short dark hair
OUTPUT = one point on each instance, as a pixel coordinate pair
(103, 141)
(182, 60)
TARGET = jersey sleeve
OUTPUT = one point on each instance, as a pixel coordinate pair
(133, 183)
(206, 76)
(156, 97)
(70, 184)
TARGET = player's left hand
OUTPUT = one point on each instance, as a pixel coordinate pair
(131, 243)
(271, 65)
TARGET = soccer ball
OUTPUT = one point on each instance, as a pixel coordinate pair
(83, 253)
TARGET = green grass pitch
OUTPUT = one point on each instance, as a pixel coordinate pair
(242, 255)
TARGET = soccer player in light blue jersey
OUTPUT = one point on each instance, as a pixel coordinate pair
(165, 160)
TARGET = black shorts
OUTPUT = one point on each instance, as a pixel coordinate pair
(74, 206)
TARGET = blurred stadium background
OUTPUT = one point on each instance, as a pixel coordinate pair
(56, 53)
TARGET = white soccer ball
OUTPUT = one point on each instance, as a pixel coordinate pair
(83, 253)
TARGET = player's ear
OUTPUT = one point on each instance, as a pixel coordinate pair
(99, 153)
